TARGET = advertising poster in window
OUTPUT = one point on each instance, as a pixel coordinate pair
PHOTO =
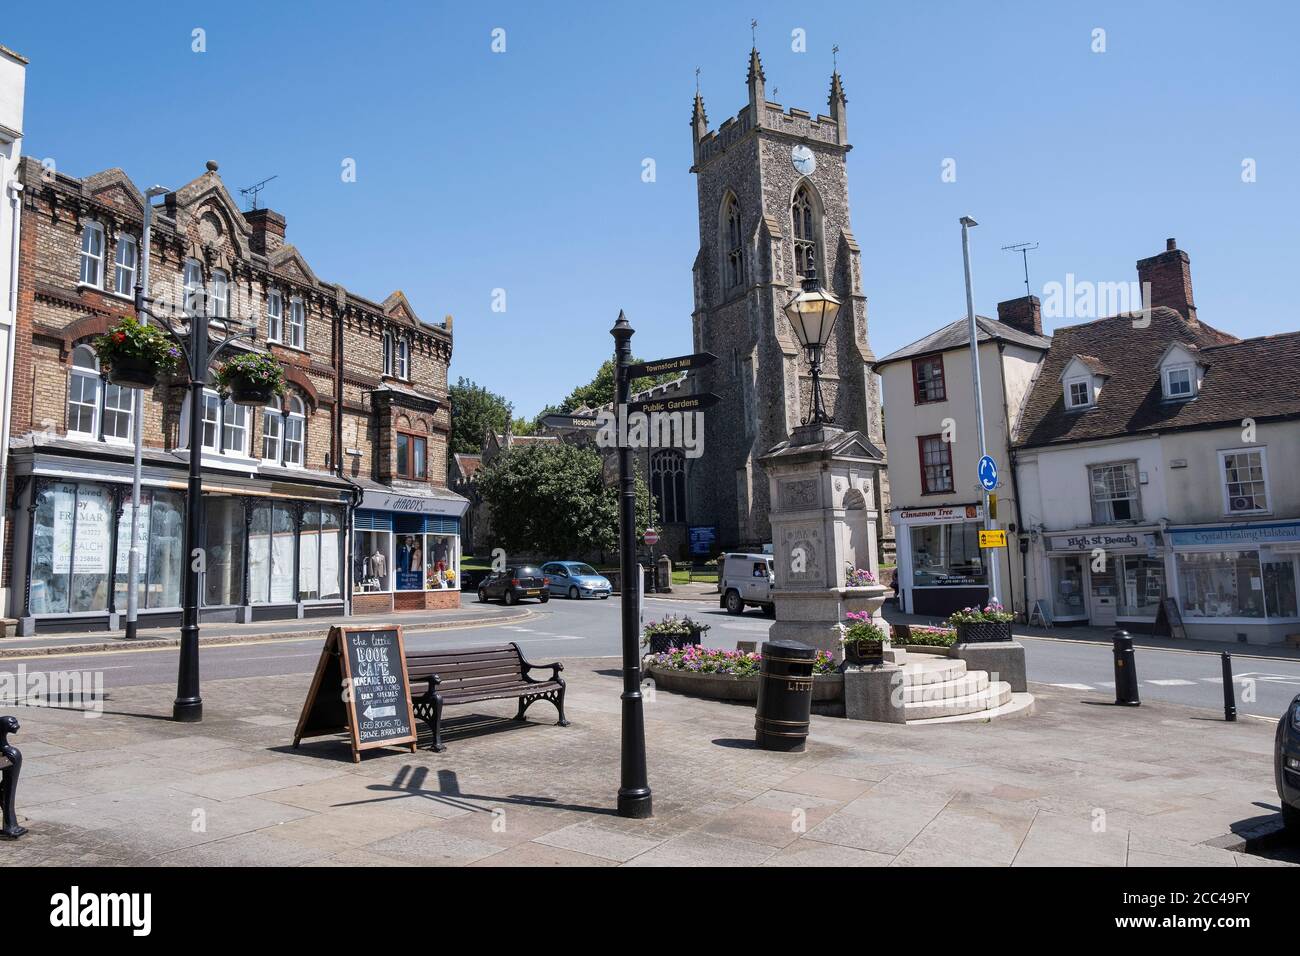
(88, 510)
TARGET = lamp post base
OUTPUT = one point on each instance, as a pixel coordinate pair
(131, 627)
(187, 711)
(635, 804)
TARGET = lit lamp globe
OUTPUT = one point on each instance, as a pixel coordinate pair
(812, 313)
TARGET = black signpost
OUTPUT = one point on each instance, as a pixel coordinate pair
(634, 798)
(360, 686)
(570, 421)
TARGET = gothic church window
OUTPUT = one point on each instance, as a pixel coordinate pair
(668, 484)
(734, 270)
(805, 231)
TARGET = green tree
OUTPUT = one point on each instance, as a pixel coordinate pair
(473, 410)
(551, 499)
(600, 390)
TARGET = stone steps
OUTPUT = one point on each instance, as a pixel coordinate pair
(990, 697)
(964, 686)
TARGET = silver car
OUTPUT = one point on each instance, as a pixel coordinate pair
(573, 579)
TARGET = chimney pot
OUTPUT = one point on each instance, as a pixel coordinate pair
(1171, 245)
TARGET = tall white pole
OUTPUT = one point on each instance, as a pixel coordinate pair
(137, 422)
(989, 523)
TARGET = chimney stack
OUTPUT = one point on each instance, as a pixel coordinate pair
(1169, 276)
(268, 230)
(1024, 313)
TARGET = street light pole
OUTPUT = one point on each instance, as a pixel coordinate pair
(142, 315)
(188, 706)
(634, 799)
(989, 523)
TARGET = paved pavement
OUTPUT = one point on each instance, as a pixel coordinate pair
(1075, 784)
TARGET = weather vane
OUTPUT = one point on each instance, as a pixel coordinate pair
(753, 31)
(834, 56)
(697, 79)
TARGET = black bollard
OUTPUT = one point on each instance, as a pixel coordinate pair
(1126, 680)
(1229, 691)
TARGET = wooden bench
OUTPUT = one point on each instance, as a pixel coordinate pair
(12, 762)
(468, 674)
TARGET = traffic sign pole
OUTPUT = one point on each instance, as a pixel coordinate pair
(989, 523)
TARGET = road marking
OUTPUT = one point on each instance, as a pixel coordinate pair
(1171, 682)
(1073, 686)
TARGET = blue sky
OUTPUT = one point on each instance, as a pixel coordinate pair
(522, 170)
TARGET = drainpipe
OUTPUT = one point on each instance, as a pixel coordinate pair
(15, 199)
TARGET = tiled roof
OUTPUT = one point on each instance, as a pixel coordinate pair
(1247, 378)
(956, 335)
(468, 464)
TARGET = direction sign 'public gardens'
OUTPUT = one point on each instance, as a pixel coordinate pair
(687, 403)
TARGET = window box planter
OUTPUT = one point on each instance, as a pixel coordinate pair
(662, 643)
(983, 632)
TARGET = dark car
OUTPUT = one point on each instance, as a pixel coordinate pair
(1286, 764)
(514, 584)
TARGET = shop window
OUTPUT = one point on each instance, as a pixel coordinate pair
(92, 254)
(71, 539)
(319, 544)
(125, 262)
(668, 485)
(1115, 492)
(272, 533)
(1143, 583)
(1221, 584)
(1245, 481)
(1067, 588)
(928, 384)
(936, 464)
(409, 560)
(1280, 586)
(412, 456)
(372, 561)
(947, 555)
(223, 576)
(441, 562)
(161, 532)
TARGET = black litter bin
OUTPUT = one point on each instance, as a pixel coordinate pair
(785, 686)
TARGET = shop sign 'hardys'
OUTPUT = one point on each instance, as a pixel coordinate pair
(360, 687)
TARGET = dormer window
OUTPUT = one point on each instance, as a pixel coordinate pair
(1179, 382)
(1078, 393)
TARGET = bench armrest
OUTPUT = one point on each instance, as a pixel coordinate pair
(8, 725)
(433, 680)
(555, 667)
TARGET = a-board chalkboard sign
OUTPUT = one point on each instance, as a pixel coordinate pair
(1170, 616)
(361, 687)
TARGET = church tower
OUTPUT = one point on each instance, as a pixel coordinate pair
(773, 201)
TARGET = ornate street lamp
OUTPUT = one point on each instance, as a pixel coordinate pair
(812, 313)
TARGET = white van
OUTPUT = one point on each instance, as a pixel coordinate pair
(746, 580)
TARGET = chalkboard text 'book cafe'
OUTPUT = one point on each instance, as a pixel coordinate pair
(330, 499)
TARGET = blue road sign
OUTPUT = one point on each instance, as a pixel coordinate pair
(988, 473)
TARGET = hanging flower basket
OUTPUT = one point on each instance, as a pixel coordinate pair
(136, 355)
(253, 378)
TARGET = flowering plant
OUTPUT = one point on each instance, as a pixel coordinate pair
(860, 629)
(857, 577)
(714, 660)
(258, 370)
(131, 340)
(675, 627)
(993, 613)
(930, 636)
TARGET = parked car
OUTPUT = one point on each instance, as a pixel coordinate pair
(573, 579)
(1286, 764)
(514, 584)
(745, 580)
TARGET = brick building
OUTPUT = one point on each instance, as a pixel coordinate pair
(331, 498)
(773, 202)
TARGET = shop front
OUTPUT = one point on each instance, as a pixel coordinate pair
(273, 542)
(1106, 577)
(406, 549)
(1238, 582)
(941, 568)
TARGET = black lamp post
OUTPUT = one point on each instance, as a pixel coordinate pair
(200, 352)
(812, 313)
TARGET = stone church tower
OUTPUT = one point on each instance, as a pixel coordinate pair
(773, 198)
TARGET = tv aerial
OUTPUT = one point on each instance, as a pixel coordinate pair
(1024, 248)
(250, 192)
